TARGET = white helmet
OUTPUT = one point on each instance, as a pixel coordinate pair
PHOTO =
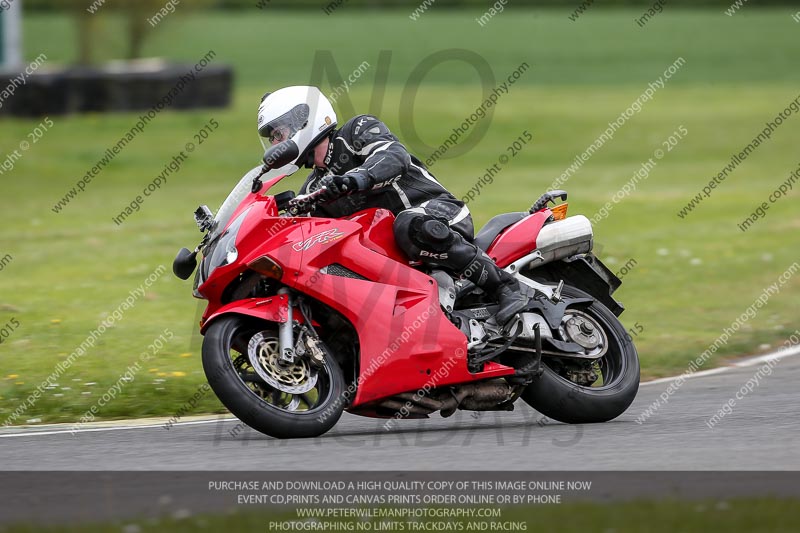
(301, 114)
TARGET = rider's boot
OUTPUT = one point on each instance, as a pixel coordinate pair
(484, 273)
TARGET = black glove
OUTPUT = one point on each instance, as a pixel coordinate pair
(337, 186)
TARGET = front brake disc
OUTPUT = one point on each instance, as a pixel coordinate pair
(264, 354)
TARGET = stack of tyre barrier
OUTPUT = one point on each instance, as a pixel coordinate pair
(117, 87)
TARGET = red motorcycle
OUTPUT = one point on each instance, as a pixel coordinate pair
(308, 317)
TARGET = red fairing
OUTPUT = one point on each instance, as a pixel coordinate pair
(378, 233)
(406, 343)
(263, 232)
(404, 337)
(272, 309)
(519, 239)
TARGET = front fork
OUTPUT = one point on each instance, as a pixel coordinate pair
(286, 329)
(307, 343)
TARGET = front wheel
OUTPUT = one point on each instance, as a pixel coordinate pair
(581, 392)
(281, 401)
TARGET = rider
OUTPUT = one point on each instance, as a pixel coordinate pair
(364, 165)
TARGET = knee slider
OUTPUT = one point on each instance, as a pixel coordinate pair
(435, 232)
(430, 233)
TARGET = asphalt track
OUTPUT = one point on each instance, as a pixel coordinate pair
(762, 432)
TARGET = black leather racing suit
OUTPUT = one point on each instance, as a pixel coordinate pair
(431, 225)
(396, 180)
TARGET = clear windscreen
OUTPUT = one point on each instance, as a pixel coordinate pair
(265, 144)
(240, 192)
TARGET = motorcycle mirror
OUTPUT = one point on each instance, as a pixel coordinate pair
(281, 154)
(184, 264)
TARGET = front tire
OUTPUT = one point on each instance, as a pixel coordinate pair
(258, 404)
(558, 398)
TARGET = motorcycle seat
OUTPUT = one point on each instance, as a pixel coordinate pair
(494, 227)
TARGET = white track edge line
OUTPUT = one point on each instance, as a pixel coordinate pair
(751, 361)
(34, 433)
(780, 354)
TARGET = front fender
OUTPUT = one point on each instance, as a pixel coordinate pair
(272, 309)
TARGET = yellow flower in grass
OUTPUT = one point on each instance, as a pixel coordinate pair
(56, 321)
(12, 376)
(187, 354)
(178, 374)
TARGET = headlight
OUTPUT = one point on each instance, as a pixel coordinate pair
(224, 251)
(231, 254)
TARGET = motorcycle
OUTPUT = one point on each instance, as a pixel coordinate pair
(309, 317)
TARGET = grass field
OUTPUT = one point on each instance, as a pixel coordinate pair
(763, 515)
(692, 277)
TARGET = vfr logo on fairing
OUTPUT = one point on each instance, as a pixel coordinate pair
(320, 238)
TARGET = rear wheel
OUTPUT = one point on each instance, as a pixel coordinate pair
(580, 392)
(240, 359)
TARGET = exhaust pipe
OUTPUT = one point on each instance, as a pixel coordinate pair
(479, 396)
(414, 411)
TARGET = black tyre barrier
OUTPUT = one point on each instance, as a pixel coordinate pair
(130, 87)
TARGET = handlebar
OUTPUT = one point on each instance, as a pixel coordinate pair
(305, 203)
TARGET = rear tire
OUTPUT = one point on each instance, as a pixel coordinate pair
(228, 335)
(556, 397)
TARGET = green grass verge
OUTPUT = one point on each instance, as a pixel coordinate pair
(605, 46)
(692, 277)
(762, 515)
